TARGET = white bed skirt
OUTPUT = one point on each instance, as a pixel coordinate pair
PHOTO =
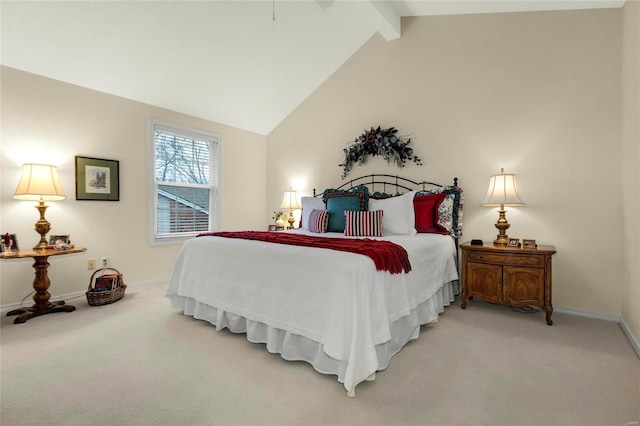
(293, 347)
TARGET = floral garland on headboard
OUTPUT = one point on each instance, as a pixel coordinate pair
(383, 142)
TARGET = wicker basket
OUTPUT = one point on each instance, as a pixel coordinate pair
(97, 298)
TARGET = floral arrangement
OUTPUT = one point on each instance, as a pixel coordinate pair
(278, 215)
(383, 142)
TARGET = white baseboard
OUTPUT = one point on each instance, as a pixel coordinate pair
(623, 325)
(67, 297)
(594, 315)
(630, 336)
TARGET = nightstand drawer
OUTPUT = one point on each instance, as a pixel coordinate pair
(507, 259)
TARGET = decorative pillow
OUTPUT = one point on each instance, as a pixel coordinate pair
(336, 206)
(309, 204)
(426, 212)
(445, 213)
(364, 224)
(399, 217)
(379, 195)
(359, 191)
(340, 200)
(456, 212)
(318, 221)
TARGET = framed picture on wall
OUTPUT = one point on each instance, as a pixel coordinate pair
(97, 179)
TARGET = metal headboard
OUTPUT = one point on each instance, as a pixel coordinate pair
(397, 183)
(389, 184)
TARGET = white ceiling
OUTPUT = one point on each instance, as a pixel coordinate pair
(225, 61)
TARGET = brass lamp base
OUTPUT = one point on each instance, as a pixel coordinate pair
(42, 226)
(291, 219)
(502, 239)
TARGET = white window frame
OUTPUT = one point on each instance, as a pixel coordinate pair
(214, 141)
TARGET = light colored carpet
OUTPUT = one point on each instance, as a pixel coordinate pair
(140, 362)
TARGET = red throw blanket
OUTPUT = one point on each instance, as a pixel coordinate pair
(386, 255)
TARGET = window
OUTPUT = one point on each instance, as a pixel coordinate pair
(185, 188)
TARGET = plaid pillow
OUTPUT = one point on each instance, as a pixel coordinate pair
(318, 221)
(363, 224)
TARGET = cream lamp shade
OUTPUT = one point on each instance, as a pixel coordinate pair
(290, 201)
(503, 191)
(40, 182)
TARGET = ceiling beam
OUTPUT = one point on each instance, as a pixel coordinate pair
(383, 17)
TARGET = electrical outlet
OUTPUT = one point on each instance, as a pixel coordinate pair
(105, 261)
(91, 264)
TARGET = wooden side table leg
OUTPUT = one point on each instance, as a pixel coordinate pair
(41, 283)
(32, 312)
(42, 305)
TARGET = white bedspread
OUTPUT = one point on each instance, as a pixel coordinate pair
(334, 298)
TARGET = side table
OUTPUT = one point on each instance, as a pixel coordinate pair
(41, 283)
(510, 276)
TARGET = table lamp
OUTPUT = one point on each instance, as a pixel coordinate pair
(502, 192)
(40, 182)
(290, 201)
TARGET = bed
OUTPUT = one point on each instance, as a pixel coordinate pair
(323, 297)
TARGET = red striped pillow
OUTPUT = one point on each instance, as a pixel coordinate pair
(318, 221)
(363, 223)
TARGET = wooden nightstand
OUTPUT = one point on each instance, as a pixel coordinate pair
(507, 275)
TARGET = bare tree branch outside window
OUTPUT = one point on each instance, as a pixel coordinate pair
(181, 160)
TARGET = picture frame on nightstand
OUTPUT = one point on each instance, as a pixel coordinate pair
(514, 242)
(529, 244)
(53, 239)
(9, 244)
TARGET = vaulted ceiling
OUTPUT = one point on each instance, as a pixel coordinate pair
(246, 64)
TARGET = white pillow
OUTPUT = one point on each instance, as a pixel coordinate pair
(399, 217)
(310, 204)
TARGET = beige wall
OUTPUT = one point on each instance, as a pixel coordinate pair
(50, 121)
(536, 93)
(631, 164)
